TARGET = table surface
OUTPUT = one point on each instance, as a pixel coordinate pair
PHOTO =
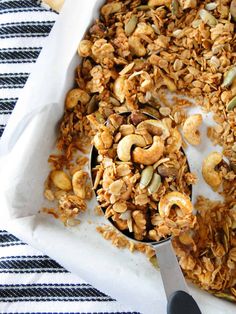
(31, 282)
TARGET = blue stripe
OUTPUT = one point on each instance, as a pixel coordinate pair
(25, 29)
(19, 55)
(26, 264)
(13, 80)
(51, 292)
(7, 237)
(18, 4)
(7, 104)
(23, 10)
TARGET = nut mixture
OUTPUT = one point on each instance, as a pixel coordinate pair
(142, 180)
(131, 56)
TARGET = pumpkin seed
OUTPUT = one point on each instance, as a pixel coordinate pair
(225, 296)
(211, 6)
(231, 104)
(154, 262)
(114, 102)
(229, 77)
(92, 105)
(146, 177)
(143, 8)
(154, 184)
(208, 18)
(175, 7)
(196, 23)
(233, 9)
(131, 25)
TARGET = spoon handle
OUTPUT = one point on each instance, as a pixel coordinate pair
(179, 300)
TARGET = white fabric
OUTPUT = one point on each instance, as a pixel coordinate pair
(31, 282)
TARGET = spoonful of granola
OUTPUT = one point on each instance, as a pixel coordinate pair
(139, 173)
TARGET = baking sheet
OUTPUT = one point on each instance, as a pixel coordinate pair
(28, 140)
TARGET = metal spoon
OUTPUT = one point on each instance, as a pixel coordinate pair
(179, 301)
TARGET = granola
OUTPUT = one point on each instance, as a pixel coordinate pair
(134, 54)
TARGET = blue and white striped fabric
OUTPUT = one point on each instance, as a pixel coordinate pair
(31, 282)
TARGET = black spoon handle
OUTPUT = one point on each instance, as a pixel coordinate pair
(181, 302)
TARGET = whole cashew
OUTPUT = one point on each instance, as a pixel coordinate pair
(124, 146)
(151, 155)
(174, 198)
(119, 88)
(190, 129)
(210, 175)
(61, 180)
(154, 127)
(78, 182)
(76, 95)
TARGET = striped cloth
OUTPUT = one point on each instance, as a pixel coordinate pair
(31, 282)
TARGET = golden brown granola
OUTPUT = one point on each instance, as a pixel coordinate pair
(135, 52)
(137, 187)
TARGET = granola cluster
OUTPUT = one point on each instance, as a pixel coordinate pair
(142, 182)
(144, 55)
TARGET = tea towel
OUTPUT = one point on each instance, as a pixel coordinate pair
(31, 282)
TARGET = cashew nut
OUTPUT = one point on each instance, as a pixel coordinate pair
(210, 175)
(61, 180)
(190, 129)
(78, 182)
(124, 146)
(76, 95)
(154, 127)
(119, 88)
(151, 155)
(174, 198)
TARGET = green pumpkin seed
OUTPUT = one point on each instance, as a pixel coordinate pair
(143, 8)
(154, 262)
(146, 177)
(211, 6)
(231, 104)
(175, 7)
(208, 18)
(131, 25)
(92, 105)
(229, 77)
(225, 296)
(154, 184)
(233, 10)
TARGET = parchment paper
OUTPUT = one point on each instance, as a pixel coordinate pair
(28, 140)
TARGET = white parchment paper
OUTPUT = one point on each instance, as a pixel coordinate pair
(28, 140)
